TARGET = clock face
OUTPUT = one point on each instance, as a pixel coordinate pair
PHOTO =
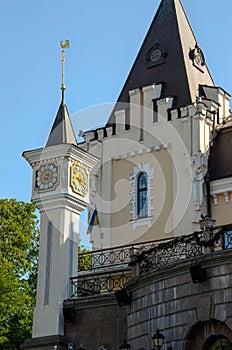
(79, 178)
(155, 55)
(46, 177)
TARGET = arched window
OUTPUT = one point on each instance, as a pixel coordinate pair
(217, 342)
(142, 209)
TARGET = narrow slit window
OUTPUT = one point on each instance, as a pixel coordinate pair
(155, 111)
(142, 196)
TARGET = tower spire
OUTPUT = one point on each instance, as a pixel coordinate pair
(62, 131)
(169, 54)
(63, 47)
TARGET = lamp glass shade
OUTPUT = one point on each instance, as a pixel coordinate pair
(158, 339)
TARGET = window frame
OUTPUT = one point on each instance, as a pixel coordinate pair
(136, 220)
(141, 190)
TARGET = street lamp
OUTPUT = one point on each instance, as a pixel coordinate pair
(125, 345)
(158, 339)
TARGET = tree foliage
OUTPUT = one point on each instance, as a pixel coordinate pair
(84, 259)
(18, 270)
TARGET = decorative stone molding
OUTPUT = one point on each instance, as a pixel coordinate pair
(133, 178)
(57, 152)
(141, 151)
(215, 199)
(199, 167)
(223, 186)
(198, 187)
(227, 197)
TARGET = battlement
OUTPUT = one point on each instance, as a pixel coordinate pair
(148, 110)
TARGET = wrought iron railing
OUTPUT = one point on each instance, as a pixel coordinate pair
(168, 253)
(105, 271)
(105, 258)
(183, 247)
(99, 282)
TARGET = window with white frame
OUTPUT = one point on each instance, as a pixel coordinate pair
(142, 207)
(141, 201)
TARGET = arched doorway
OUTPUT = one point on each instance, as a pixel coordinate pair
(209, 335)
(217, 342)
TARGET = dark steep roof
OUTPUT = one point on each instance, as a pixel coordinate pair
(172, 34)
(220, 158)
(62, 130)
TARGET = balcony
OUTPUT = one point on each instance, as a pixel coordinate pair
(106, 271)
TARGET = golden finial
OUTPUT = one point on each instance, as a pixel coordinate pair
(63, 47)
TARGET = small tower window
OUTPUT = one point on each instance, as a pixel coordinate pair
(142, 210)
(155, 111)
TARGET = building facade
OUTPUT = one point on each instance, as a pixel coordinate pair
(158, 179)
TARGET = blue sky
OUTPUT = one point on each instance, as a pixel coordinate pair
(105, 37)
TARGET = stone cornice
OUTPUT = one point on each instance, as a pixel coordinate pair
(91, 301)
(221, 186)
(59, 151)
(45, 342)
(58, 201)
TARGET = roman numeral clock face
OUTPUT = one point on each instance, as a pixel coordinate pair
(79, 178)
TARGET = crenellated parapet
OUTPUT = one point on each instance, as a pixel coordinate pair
(148, 110)
(153, 136)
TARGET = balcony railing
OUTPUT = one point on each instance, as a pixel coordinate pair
(98, 259)
(105, 271)
(100, 281)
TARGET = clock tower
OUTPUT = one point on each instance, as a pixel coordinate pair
(60, 191)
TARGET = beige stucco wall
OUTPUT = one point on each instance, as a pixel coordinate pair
(161, 202)
(176, 148)
(222, 211)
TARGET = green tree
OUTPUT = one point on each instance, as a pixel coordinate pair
(18, 271)
(84, 259)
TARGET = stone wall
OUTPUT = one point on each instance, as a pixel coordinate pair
(188, 315)
(98, 320)
(168, 300)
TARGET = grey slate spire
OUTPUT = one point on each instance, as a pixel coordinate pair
(178, 61)
(62, 130)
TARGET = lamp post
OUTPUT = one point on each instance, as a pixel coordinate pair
(158, 339)
(125, 345)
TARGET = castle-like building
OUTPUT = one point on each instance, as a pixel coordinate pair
(158, 179)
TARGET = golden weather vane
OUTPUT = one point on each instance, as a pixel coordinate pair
(63, 47)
